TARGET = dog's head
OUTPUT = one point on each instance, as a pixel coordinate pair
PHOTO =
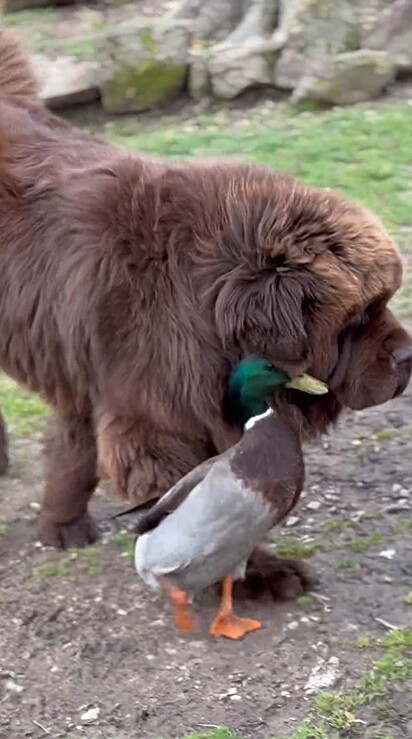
(305, 281)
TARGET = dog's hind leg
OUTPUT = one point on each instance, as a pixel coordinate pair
(71, 477)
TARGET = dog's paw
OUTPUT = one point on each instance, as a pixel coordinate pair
(76, 534)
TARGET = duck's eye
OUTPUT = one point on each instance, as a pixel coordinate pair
(270, 367)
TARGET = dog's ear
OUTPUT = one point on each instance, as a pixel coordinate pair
(264, 314)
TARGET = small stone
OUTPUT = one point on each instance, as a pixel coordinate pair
(387, 553)
(293, 625)
(313, 505)
(235, 698)
(292, 521)
(324, 675)
(90, 716)
(401, 505)
(13, 687)
(396, 488)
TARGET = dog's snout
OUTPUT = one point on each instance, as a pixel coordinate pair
(403, 354)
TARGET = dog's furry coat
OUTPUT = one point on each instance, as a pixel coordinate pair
(129, 287)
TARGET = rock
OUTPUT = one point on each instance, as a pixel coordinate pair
(235, 67)
(310, 30)
(346, 78)
(66, 81)
(392, 33)
(147, 65)
(11, 6)
(90, 716)
(324, 675)
(387, 553)
(13, 687)
(292, 521)
(313, 505)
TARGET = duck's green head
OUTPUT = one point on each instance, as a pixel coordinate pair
(253, 380)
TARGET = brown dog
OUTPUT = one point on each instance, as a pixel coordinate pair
(129, 287)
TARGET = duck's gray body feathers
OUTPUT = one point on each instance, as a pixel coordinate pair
(210, 534)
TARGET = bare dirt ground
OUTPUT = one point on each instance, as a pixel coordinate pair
(79, 632)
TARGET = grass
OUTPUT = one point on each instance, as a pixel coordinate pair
(49, 569)
(362, 543)
(336, 713)
(26, 18)
(24, 412)
(288, 546)
(124, 542)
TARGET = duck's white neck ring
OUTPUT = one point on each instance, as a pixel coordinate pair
(251, 422)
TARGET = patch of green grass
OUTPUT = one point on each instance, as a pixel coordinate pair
(289, 547)
(86, 553)
(402, 526)
(365, 542)
(384, 434)
(400, 639)
(366, 641)
(3, 526)
(80, 47)
(408, 599)
(338, 525)
(304, 601)
(123, 541)
(338, 709)
(309, 730)
(88, 560)
(349, 564)
(24, 412)
(49, 569)
(26, 18)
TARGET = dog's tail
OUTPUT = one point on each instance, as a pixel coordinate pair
(18, 83)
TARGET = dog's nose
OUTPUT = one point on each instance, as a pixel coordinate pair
(403, 354)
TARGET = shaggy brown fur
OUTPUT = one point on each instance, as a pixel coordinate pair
(130, 286)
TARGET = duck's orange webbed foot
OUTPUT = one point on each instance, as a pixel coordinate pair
(225, 623)
(182, 611)
(232, 626)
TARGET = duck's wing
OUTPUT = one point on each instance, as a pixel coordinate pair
(177, 494)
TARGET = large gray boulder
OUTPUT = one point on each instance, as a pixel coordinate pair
(346, 78)
(66, 81)
(392, 32)
(313, 30)
(236, 67)
(146, 65)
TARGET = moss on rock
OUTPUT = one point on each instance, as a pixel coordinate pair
(146, 66)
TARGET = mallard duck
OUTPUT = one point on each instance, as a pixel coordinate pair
(205, 527)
